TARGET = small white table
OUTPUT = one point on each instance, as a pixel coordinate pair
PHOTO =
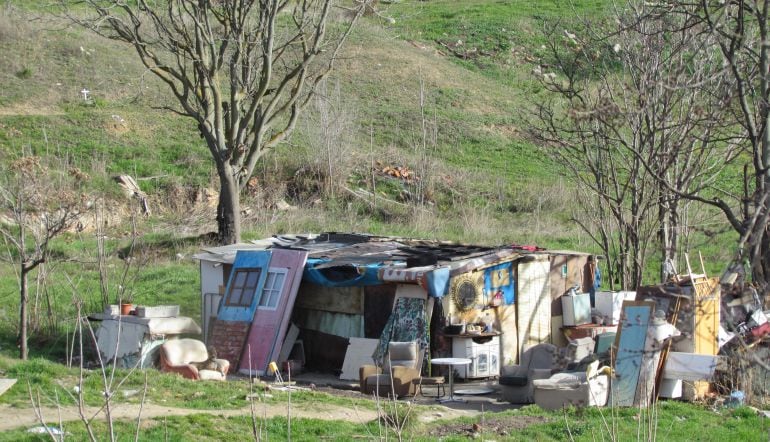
(451, 362)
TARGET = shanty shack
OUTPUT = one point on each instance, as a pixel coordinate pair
(331, 289)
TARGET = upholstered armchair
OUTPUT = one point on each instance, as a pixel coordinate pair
(516, 380)
(190, 358)
(402, 366)
(581, 389)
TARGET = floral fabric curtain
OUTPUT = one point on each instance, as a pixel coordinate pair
(406, 323)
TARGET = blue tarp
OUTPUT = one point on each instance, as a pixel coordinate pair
(318, 271)
(341, 276)
(437, 283)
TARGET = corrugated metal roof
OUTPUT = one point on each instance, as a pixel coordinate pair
(359, 249)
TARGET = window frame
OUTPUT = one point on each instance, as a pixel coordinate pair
(272, 293)
(243, 287)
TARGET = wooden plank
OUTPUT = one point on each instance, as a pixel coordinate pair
(288, 344)
(509, 342)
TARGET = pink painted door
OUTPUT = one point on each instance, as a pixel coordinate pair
(274, 307)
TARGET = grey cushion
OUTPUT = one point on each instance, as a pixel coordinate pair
(513, 380)
(404, 354)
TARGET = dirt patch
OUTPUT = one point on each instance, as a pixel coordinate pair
(25, 417)
(499, 426)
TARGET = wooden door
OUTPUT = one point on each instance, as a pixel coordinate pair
(273, 307)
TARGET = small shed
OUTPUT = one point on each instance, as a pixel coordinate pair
(350, 284)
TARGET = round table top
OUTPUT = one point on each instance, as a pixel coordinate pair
(450, 361)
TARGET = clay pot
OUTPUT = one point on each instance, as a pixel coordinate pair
(125, 309)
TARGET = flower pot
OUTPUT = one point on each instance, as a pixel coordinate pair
(125, 308)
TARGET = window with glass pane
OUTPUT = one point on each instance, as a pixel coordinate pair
(243, 287)
(272, 290)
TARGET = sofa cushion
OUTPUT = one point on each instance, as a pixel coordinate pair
(211, 375)
(404, 354)
(561, 381)
(184, 351)
(513, 380)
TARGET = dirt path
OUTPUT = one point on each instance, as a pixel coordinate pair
(25, 417)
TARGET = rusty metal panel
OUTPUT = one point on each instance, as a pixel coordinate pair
(348, 300)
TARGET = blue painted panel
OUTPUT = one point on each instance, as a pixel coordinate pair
(499, 278)
(245, 259)
(632, 334)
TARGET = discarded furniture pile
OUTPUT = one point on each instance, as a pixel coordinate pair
(134, 339)
(660, 341)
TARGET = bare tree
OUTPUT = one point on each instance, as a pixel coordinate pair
(738, 32)
(41, 205)
(629, 115)
(242, 69)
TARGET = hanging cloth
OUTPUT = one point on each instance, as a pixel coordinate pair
(406, 323)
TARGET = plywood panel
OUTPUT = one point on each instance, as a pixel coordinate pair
(707, 294)
(331, 299)
(563, 278)
(359, 353)
(534, 303)
(557, 336)
(509, 342)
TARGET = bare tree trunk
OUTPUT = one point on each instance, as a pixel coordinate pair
(23, 301)
(229, 209)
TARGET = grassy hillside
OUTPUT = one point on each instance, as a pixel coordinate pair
(483, 181)
(478, 162)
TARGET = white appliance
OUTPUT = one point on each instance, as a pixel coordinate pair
(576, 309)
(484, 353)
(610, 304)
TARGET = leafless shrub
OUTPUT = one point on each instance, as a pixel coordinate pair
(42, 203)
(329, 129)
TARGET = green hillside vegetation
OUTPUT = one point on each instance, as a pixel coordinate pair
(481, 180)
(475, 178)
